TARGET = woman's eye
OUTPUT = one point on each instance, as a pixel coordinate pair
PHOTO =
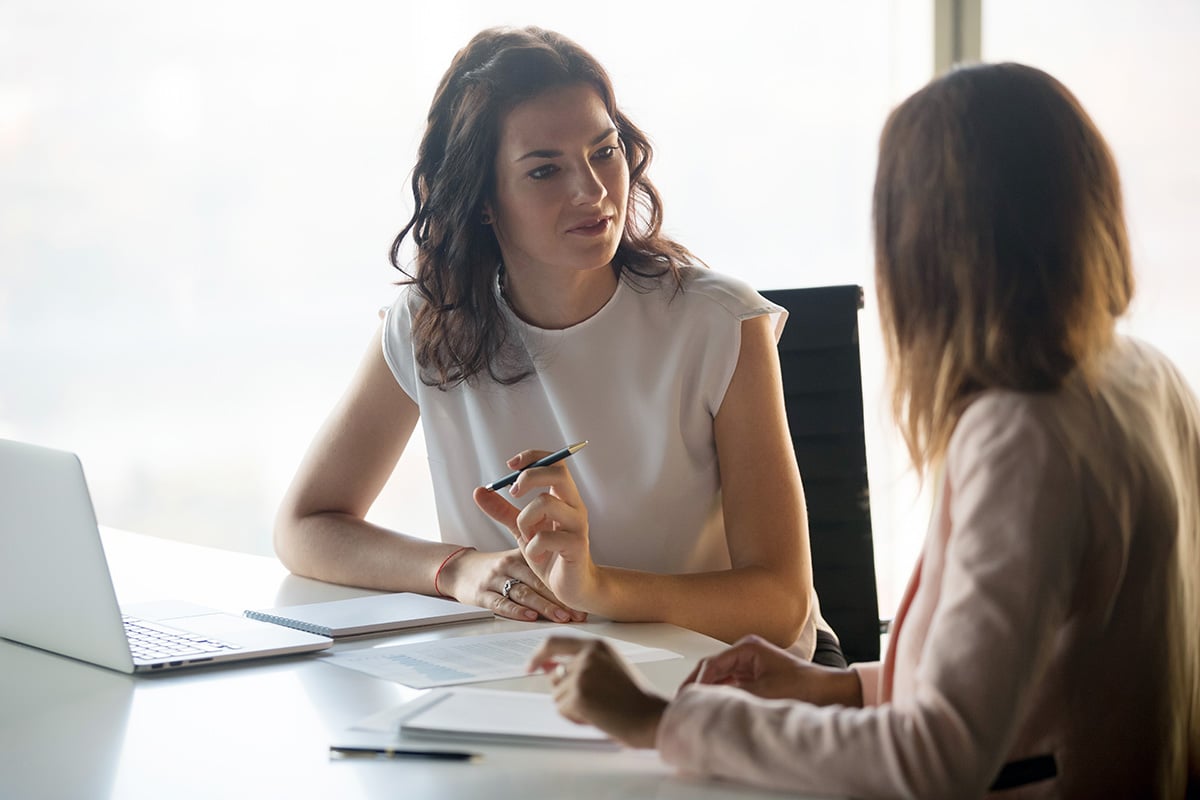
(543, 172)
(605, 153)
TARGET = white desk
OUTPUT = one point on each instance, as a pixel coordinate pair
(262, 729)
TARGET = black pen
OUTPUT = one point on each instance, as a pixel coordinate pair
(553, 458)
(397, 752)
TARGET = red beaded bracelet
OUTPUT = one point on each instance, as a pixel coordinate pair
(446, 561)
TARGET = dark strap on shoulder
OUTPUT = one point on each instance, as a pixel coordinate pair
(1025, 771)
(829, 650)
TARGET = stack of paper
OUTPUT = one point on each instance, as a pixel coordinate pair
(490, 715)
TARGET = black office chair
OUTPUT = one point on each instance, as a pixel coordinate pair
(822, 386)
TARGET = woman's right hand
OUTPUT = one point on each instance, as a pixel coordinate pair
(759, 667)
(478, 579)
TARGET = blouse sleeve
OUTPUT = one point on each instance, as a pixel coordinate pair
(723, 303)
(397, 342)
(1010, 566)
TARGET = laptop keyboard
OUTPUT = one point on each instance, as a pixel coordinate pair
(149, 641)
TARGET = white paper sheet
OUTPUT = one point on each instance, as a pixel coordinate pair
(471, 659)
(488, 715)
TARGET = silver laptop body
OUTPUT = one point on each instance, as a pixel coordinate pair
(56, 592)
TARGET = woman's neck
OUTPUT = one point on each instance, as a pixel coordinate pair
(558, 299)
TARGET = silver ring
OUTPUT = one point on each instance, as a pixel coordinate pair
(509, 583)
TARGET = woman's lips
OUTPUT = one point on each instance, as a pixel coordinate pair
(592, 228)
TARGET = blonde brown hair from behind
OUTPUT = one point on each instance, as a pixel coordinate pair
(1001, 256)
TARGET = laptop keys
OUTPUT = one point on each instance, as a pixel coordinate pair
(150, 641)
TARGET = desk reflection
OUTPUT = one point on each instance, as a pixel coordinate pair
(82, 709)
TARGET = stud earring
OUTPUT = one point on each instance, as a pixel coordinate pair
(486, 219)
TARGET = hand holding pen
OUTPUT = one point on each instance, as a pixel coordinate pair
(504, 581)
(545, 461)
(552, 530)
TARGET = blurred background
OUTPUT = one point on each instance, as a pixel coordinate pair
(197, 201)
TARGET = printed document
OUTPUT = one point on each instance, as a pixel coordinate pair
(471, 659)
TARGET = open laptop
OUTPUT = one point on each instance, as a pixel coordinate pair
(56, 592)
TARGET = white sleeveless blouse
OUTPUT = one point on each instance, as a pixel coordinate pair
(641, 380)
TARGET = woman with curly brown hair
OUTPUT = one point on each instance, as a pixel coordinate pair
(547, 307)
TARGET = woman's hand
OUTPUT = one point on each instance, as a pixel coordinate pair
(478, 579)
(552, 530)
(761, 668)
(593, 684)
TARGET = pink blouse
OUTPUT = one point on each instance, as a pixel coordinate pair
(1054, 610)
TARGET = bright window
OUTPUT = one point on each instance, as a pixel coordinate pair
(1133, 66)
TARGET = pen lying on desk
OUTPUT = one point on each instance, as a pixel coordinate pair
(400, 752)
(553, 458)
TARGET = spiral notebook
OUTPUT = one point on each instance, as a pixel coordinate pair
(372, 614)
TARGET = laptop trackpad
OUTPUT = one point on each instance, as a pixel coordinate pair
(166, 610)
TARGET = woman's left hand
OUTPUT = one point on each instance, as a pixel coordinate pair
(594, 684)
(552, 531)
(756, 666)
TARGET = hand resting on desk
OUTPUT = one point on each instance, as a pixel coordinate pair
(760, 668)
(478, 579)
(552, 530)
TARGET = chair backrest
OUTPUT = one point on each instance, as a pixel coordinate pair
(822, 386)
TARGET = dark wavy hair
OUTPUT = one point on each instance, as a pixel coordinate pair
(1001, 255)
(459, 330)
